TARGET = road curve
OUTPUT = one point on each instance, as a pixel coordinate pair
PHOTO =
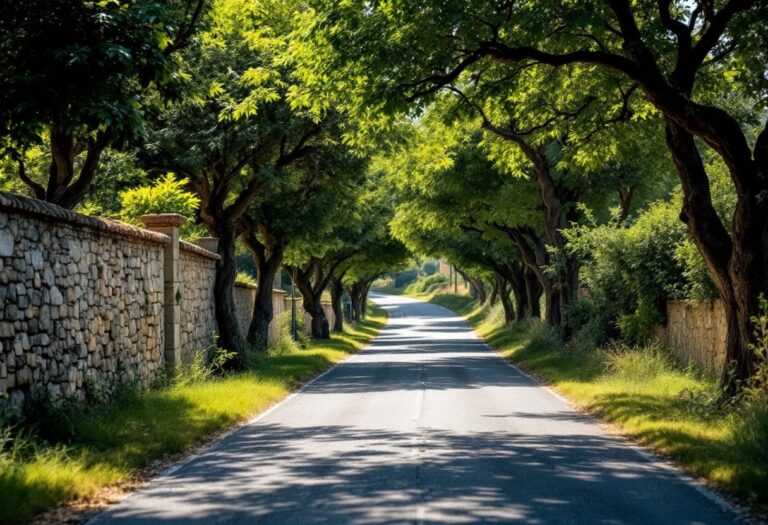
(427, 425)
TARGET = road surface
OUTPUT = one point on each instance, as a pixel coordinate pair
(427, 425)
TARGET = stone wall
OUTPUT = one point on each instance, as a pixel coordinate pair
(94, 301)
(81, 300)
(245, 295)
(307, 325)
(197, 324)
(278, 308)
(695, 333)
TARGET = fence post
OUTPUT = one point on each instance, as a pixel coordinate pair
(169, 224)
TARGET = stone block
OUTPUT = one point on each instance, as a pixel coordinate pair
(7, 243)
(23, 376)
(57, 299)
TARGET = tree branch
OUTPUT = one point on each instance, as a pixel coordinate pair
(715, 30)
(182, 38)
(37, 189)
(299, 151)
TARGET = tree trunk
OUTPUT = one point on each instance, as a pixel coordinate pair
(516, 280)
(311, 300)
(357, 296)
(535, 258)
(736, 263)
(533, 293)
(337, 291)
(267, 256)
(230, 336)
(494, 293)
(320, 329)
(364, 301)
(478, 284)
(263, 313)
(62, 187)
(506, 303)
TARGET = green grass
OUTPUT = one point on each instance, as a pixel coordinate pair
(643, 394)
(111, 445)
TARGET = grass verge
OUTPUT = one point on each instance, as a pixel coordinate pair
(643, 393)
(111, 447)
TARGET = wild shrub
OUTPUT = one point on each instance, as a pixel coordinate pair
(750, 427)
(636, 364)
(631, 270)
(427, 284)
(593, 324)
(246, 277)
(495, 314)
(284, 343)
(206, 363)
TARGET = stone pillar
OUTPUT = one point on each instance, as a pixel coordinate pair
(169, 224)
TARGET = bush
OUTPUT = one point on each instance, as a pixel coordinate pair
(404, 278)
(428, 284)
(205, 364)
(631, 271)
(284, 343)
(246, 277)
(430, 267)
(167, 195)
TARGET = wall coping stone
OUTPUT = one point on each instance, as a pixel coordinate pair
(51, 212)
(246, 285)
(209, 243)
(197, 250)
(163, 220)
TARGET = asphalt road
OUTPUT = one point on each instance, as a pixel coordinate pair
(427, 425)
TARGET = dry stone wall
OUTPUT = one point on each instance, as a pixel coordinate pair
(88, 301)
(245, 295)
(695, 333)
(278, 309)
(81, 301)
(197, 324)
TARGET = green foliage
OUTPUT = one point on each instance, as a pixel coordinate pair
(427, 284)
(756, 389)
(166, 195)
(631, 271)
(79, 77)
(246, 277)
(404, 278)
(284, 343)
(206, 363)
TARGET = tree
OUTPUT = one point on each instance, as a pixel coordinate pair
(314, 260)
(293, 208)
(76, 76)
(451, 199)
(378, 252)
(687, 58)
(238, 134)
(451, 183)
